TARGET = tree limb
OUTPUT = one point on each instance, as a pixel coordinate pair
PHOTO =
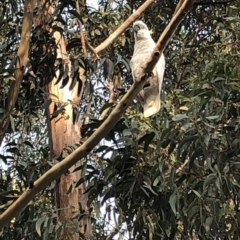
(122, 28)
(81, 30)
(60, 168)
(180, 3)
(92, 49)
(21, 63)
(119, 31)
(183, 8)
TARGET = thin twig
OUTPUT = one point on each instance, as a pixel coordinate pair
(183, 165)
(81, 30)
(92, 49)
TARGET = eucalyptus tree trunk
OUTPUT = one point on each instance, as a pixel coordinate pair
(63, 132)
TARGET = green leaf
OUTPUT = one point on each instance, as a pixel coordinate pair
(179, 117)
(210, 178)
(28, 143)
(197, 193)
(147, 140)
(97, 32)
(75, 13)
(2, 110)
(4, 159)
(172, 202)
(212, 117)
(47, 224)
(69, 189)
(208, 223)
(78, 168)
(146, 185)
(156, 181)
(145, 191)
(38, 224)
(106, 106)
(79, 182)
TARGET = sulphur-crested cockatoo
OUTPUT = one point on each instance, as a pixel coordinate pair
(149, 96)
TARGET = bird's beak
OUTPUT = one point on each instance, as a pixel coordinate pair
(136, 28)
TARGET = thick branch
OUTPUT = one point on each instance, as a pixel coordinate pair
(21, 62)
(168, 32)
(122, 28)
(60, 168)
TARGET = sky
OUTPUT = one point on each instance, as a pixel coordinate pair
(93, 3)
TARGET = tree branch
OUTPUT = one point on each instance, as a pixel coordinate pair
(180, 3)
(92, 49)
(21, 63)
(168, 32)
(122, 28)
(81, 30)
(60, 168)
(183, 165)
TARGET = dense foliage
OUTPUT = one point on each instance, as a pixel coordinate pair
(171, 176)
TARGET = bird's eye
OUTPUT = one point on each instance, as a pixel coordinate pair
(136, 28)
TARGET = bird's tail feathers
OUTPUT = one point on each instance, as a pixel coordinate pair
(151, 106)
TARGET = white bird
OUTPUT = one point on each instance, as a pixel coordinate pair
(149, 96)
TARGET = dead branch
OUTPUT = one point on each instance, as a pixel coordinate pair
(60, 168)
(122, 28)
(21, 63)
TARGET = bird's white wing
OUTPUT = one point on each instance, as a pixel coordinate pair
(151, 93)
(149, 96)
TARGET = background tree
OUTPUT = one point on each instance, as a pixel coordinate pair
(172, 176)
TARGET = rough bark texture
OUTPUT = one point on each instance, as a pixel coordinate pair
(62, 133)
